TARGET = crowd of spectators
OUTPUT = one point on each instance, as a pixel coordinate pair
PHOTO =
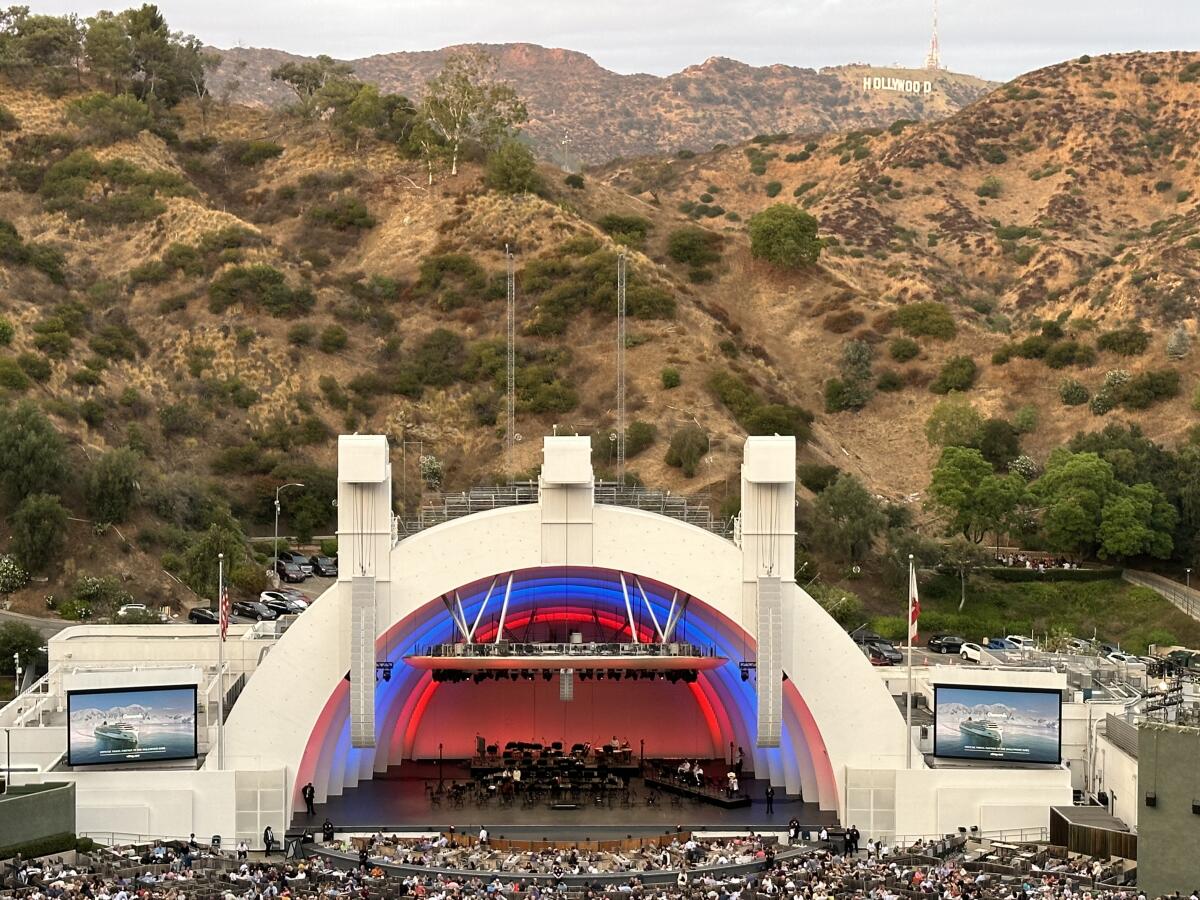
(809, 872)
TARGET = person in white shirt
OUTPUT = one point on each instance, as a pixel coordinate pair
(483, 835)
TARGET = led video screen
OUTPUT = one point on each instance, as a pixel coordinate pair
(997, 724)
(136, 724)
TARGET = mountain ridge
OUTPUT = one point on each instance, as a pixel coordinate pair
(581, 113)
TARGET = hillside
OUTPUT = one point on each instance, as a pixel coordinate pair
(608, 115)
(224, 303)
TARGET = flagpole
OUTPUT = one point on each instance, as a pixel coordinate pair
(220, 663)
(912, 577)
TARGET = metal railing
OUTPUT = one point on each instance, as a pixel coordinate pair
(509, 649)
(694, 509)
(1184, 598)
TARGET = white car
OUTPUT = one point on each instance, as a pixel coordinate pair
(293, 597)
(1025, 643)
(1127, 660)
(1075, 645)
(972, 652)
(134, 608)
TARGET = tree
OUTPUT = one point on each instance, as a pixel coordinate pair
(19, 638)
(999, 442)
(196, 64)
(512, 170)
(308, 78)
(32, 454)
(199, 569)
(963, 557)
(112, 485)
(954, 422)
(784, 235)
(847, 518)
(972, 497)
(50, 42)
(366, 112)
(464, 102)
(1137, 520)
(39, 527)
(1073, 491)
(108, 50)
(687, 448)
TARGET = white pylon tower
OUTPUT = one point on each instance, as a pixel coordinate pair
(621, 368)
(933, 59)
(510, 424)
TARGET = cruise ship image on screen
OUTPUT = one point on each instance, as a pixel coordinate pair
(118, 734)
(987, 729)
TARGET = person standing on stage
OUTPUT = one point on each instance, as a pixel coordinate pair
(309, 793)
(739, 762)
(698, 774)
(268, 839)
(771, 805)
(483, 836)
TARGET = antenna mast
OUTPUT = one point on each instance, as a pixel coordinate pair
(510, 427)
(621, 368)
(933, 60)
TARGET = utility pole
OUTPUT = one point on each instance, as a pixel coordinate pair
(621, 274)
(510, 423)
(275, 544)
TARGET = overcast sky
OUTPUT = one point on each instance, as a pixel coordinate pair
(996, 39)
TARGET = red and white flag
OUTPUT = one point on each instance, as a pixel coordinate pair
(914, 603)
(224, 604)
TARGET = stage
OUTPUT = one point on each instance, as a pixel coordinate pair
(398, 801)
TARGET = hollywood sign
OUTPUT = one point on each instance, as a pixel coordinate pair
(900, 85)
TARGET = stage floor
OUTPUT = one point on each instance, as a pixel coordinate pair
(397, 802)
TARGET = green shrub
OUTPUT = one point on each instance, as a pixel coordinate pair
(670, 378)
(843, 395)
(1069, 353)
(1130, 341)
(105, 119)
(45, 846)
(1072, 393)
(772, 188)
(804, 188)
(628, 230)
(639, 436)
(957, 374)
(258, 287)
(7, 332)
(889, 381)
(926, 319)
(114, 192)
(250, 153)
(991, 187)
(694, 246)
(152, 271)
(12, 376)
(687, 448)
(815, 476)
(574, 181)
(753, 414)
(111, 485)
(345, 213)
(902, 349)
(1026, 419)
(1147, 388)
(39, 528)
(1023, 575)
(333, 338)
(36, 367)
(511, 169)
(8, 122)
(784, 236)
(178, 419)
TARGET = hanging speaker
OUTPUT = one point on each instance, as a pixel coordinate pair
(1152, 799)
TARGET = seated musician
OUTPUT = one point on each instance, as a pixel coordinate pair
(516, 775)
(684, 770)
(698, 774)
(614, 744)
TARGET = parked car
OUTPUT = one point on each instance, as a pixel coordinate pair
(971, 652)
(945, 643)
(1022, 642)
(252, 609)
(1078, 645)
(289, 571)
(862, 635)
(1002, 644)
(325, 566)
(1106, 648)
(133, 609)
(282, 606)
(887, 650)
(875, 655)
(1183, 659)
(202, 615)
(298, 559)
(1126, 659)
(296, 601)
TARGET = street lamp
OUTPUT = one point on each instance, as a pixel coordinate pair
(275, 544)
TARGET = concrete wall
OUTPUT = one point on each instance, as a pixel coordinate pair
(29, 814)
(1117, 775)
(1168, 832)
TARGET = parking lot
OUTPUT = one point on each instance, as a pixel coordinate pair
(311, 587)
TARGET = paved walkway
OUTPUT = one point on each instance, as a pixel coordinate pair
(44, 627)
(1186, 599)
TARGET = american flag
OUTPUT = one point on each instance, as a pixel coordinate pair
(914, 602)
(224, 604)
